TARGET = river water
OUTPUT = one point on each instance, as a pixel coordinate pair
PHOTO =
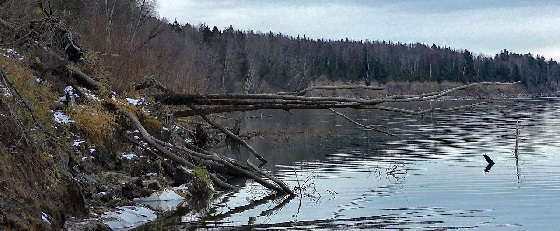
(430, 176)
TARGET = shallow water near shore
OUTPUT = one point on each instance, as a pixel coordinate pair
(430, 176)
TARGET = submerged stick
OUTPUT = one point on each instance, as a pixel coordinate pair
(516, 151)
(487, 158)
(368, 127)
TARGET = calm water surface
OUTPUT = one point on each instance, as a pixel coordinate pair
(431, 176)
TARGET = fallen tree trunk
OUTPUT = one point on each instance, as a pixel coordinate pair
(168, 154)
(84, 79)
(186, 99)
(230, 135)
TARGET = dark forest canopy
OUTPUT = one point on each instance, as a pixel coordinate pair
(135, 43)
(279, 59)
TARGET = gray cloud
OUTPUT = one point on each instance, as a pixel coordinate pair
(484, 26)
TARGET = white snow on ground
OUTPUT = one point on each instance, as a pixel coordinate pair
(183, 188)
(5, 92)
(92, 150)
(61, 118)
(11, 54)
(90, 95)
(68, 90)
(77, 143)
(128, 217)
(87, 158)
(166, 200)
(135, 102)
(129, 156)
(130, 132)
(45, 217)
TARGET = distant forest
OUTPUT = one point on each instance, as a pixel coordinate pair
(134, 43)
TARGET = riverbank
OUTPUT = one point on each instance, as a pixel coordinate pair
(417, 88)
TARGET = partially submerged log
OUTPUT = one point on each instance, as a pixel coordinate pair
(282, 188)
(221, 103)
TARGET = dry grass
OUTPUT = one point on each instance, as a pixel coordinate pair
(93, 121)
(39, 96)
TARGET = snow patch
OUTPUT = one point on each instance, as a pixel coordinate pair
(11, 54)
(77, 143)
(165, 195)
(130, 132)
(129, 156)
(87, 158)
(61, 118)
(128, 217)
(163, 201)
(135, 102)
(46, 218)
(90, 95)
(68, 91)
(5, 91)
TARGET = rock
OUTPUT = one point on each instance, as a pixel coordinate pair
(183, 176)
(154, 186)
(87, 225)
(106, 196)
(131, 191)
(139, 182)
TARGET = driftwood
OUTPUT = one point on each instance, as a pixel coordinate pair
(221, 103)
(213, 157)
(359, 124)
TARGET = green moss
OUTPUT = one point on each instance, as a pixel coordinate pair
(201, 173)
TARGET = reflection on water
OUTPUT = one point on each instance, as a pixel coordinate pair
(432, 176)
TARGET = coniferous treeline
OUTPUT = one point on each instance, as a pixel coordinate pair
(134, 43)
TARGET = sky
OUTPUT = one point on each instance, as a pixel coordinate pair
(482, 26)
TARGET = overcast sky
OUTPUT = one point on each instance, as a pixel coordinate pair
(482, 26)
